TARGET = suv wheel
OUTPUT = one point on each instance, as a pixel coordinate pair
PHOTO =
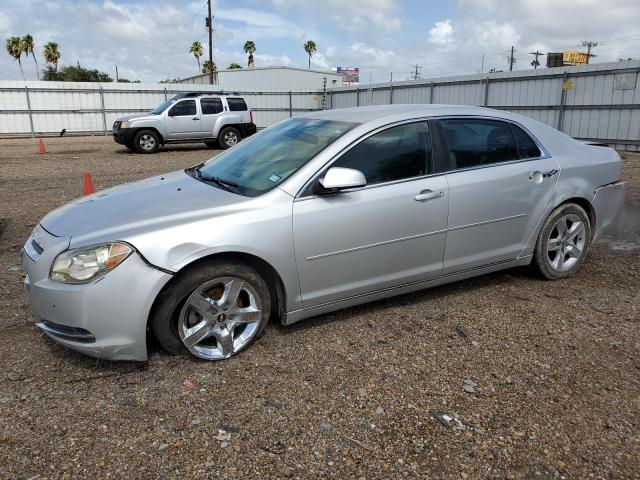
(146, 141)
(228, 137)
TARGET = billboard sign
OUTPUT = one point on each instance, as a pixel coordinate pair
(572, 56)
(350, 75)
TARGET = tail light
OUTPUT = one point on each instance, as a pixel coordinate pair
(251, 116)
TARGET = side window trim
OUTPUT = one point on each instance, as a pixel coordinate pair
(305, 191)
(448, 170)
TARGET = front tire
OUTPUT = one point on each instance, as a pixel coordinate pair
(228, 137)
(563, 242)
(214, 311)
(146, 141)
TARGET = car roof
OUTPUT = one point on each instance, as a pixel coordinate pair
(398, 111)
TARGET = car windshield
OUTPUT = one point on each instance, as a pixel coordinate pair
(261, 162)
(161, 108)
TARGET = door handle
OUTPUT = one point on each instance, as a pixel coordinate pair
(426, 195)
(195, 118)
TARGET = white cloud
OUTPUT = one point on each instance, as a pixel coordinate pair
(441, 33)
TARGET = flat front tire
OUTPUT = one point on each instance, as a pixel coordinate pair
(563, 242)
(213, 310)
(146, 141)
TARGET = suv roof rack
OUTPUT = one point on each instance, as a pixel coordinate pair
(200, 94)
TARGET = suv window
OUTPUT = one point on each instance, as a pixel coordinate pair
(237, 104)
(211, 106)
(527, 148)
(477, 142)
(184, 108)
(393, 154)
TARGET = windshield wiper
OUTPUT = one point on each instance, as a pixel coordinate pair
(226, 184)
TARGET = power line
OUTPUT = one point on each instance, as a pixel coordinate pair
(416, 71)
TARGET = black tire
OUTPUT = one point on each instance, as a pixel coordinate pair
(130, 147)
(211, 144)
(226, 136)
(543, 258)
(167, 307)
(146, 141)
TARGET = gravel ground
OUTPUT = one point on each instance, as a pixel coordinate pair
(551, 369)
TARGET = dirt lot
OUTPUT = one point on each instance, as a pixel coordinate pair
(347, 395)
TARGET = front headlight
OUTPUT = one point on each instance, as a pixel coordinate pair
(83, 265)
(124, 124)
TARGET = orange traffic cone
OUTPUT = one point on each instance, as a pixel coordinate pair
(41, 148)
(87, 186)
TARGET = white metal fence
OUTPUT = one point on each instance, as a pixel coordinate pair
(593, 102)
(41, 108)
(598, 102)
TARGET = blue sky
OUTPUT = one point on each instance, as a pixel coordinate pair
(149, 40)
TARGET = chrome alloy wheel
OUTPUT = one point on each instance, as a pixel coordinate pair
(230, 138)
(220, 318)
(147, 142)
(566, 243)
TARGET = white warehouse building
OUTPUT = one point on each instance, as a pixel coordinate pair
(269, 79)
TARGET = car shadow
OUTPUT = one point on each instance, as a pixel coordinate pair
(173, 148)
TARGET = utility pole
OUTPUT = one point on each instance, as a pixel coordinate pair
(589, 44)
(209, 23)
(512, 59)
(117, 79)
(391, 77)
(482, 65)
(535, 63)
(416, 71)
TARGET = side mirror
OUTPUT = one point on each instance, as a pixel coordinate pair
(338, 178)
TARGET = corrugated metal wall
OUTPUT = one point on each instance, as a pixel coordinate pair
(601, 102)
(93, 107)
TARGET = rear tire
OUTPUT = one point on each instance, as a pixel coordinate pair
(228, 137)
(146, 141)
(563, 242)
(177, 309)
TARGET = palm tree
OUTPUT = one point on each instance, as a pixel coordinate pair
(52, 54)
(250, 48)
(14, 48)
(206, 66)
(234, 66)
(310, 48)
(27, 48)
(196, 49)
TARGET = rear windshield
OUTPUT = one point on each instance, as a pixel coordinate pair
(263, 161)
(237, 104)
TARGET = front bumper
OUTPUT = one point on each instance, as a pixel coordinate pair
(608, 203)
(106, 318)
(123, 136)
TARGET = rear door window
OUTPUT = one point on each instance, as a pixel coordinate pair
(478, 142)
(527, 148)
(237, 104)
(211, 106)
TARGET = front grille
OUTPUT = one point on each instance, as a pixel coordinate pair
(37, 247)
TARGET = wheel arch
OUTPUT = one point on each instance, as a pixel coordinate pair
(586, 205)
(137, 130)
(264, 268)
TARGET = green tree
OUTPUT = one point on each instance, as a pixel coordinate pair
(206, 66)
(310, 48)
(250, 48)
(75, 74)
(234, 66)
(27, 48)
(197, 50)
(52, 54)
(14, 48)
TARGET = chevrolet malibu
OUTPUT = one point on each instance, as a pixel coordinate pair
(314, 214)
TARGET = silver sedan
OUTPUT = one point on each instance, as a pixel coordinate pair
(314, 214)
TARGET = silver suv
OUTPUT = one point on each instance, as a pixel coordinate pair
(214, 119)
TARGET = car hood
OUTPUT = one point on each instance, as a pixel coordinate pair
(138, 207)
(136, 116)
